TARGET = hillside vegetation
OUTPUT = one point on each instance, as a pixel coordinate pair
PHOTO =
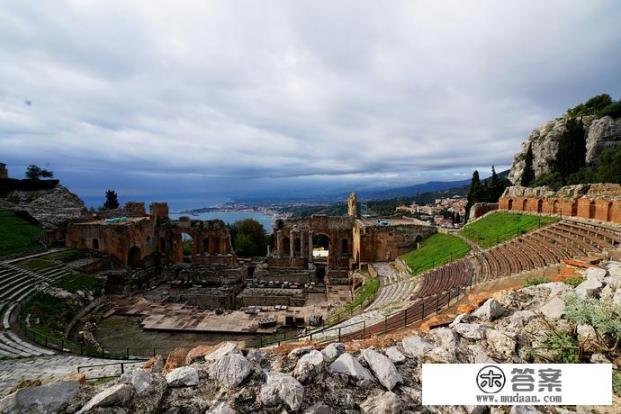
(435, 251)
(500, 226)
(17, 235)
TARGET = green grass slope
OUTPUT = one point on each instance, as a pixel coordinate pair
(435, 251)
(500, 226)
(16, 234)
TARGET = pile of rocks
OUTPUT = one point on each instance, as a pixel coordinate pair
(331, 379)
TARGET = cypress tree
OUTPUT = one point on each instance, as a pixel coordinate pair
(112, 200)
(474, 192)
(528, 176)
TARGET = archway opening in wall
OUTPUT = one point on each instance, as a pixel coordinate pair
(286, 246)
(321, 247)
(162, 244)
(510, 204)
(539, 206)
(95, 244)
(206, 245)
(134, 258)
(609, 211)
(187, 243)
(525, 205)
(297, 246)
(592, 209)
(555, 207)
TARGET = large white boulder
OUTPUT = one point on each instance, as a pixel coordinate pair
(416, 346)
(489, 311)
(224, 349)
(383, 368)
(118, 395)
(308, 366)
(346, 364)
(473, 331)
(395, 355)
(595, 273)
(282, 388)
(230, 370)
(139, 378)
(554, 308)
(182, 377)
(333, 351)
(589, 288)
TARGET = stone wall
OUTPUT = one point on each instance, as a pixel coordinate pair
(386, 243)
(479, 209)
(589, 201)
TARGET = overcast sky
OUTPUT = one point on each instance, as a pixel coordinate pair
(232, 97)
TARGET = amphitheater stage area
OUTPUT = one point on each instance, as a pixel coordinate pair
(179, 317)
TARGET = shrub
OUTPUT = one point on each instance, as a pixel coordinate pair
(535, 280)
(613, 110)
(591, 107)
(573, 281)
(602, 314)
(616, 382)
(563, 347)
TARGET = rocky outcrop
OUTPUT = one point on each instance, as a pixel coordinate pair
(599, 134)
(51, 208)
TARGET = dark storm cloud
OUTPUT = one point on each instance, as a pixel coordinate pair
(239, 96)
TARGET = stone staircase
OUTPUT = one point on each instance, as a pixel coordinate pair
(17, 284)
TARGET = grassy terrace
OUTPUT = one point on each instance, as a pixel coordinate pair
(17, 235)
(435, 251)
(500, 226)
(365, 293)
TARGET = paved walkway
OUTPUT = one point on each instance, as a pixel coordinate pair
(48, 368)
(32, 256)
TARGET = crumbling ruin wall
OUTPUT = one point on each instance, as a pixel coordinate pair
(479, 209)
(386, 243)
(211, 242)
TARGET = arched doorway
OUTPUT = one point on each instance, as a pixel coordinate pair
(592, 209)
(297, 247)
(609, 211)
(95, 244)
(510, 204)
(555, 207)
(525, 205)
(321, 246)
(539, 206)
(134, 257)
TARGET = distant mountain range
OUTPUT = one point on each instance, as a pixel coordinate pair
(364, 194)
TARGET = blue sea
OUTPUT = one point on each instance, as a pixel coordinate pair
(230, 217)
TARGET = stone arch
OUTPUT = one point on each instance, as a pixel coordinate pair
(297, 246)
(609, 211)
(510, 204)
(345, 246)
(134, 256)
(322, 240)
(556, 207)
(592, 209)
(214, 245)
(539, 206)
(95, 244)
(206, 245)
(525, 204)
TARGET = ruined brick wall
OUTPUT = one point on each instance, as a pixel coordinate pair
(594, 201)
(128, 243)
(479, 209)
(211, 242)
(386, 243)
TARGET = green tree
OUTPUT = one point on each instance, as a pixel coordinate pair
(249, 238)
(571, 153)
(609, 166)
(34, 172)
(474, 192)
(112, 200)
(528, 175)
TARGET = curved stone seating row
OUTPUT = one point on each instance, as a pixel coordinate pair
(395, 292)
(16, 285)
(450, 276)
